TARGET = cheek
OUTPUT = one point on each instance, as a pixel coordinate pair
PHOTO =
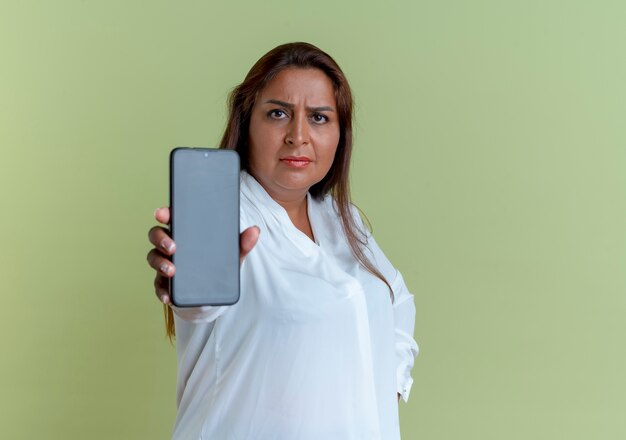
(330, 148)
(256, 145)
(266, 138)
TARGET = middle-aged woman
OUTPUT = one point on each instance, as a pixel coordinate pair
(320, 343)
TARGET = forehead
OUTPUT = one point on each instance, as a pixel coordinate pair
(311, 86)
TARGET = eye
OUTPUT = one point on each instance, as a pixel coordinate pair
(319, 118)
(276, 114)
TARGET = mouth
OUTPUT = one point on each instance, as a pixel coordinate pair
(296, 161)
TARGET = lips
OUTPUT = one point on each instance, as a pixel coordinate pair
(296, 161)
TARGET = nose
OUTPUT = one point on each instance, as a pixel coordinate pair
(298, 131)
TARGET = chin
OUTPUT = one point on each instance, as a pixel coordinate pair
(296, 180)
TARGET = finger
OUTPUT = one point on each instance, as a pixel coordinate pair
(162, 283)
(162, 289)
(162, 215)
(162, 265)
(247, 240)
(160, 237)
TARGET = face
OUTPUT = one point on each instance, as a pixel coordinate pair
(294, 132)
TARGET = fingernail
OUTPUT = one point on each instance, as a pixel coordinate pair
(165, 268)
(164, 299)
(168, 245)
(155, 211)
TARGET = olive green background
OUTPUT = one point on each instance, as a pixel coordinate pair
(490, 157)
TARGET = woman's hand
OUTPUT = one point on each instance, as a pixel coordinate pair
(159, 257)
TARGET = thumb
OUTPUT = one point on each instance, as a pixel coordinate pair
(247, 240)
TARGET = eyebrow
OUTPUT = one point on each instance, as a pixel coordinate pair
(291, 106)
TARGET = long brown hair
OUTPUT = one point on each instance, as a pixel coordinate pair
(336, 181)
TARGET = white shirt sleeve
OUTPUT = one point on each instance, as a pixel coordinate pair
(406, 347)
(404, 319)
(198, 315)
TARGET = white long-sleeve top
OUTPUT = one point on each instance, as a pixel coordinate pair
(314, 348)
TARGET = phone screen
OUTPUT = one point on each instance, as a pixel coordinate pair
(204, 204)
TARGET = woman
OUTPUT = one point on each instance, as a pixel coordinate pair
(321, 340)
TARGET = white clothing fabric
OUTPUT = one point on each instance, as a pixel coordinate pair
(314, 348)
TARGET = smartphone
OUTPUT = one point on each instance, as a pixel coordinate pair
(204, 216)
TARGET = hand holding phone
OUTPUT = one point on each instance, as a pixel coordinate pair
(164, 248)
(204, 220)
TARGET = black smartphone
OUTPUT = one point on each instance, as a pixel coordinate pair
(204, 222)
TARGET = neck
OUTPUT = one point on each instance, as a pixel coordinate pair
(295, 204)
(296, 208)
(298, 214)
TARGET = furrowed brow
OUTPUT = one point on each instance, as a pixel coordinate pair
(281, 103)
(291, 106)
(320, 109)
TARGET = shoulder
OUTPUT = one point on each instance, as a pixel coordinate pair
(331, 210)
(363, 233)
(373, 251)
(331, 207)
